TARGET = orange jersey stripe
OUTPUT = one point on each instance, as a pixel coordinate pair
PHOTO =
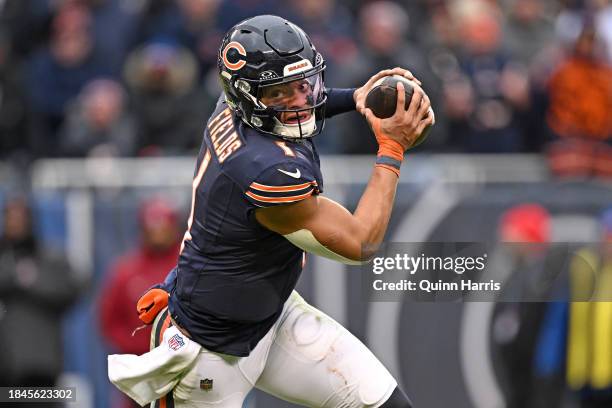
(165, 325)
(296, 187)
(279, 199)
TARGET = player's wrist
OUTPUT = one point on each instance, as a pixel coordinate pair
(389, 168)
(391, 148)
(389, 163)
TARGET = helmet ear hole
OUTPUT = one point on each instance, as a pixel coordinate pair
(243, 86)
(257, 122)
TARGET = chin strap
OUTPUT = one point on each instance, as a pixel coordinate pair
(292, 131)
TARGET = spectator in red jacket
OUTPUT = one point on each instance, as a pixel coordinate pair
(133, 273)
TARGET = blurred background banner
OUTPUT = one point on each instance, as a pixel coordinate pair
(102, 109)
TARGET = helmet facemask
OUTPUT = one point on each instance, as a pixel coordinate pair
(295, 103)
(290, 107)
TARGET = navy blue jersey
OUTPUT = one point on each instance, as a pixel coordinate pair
(234, 275)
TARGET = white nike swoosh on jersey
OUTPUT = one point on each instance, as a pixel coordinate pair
(296, 174)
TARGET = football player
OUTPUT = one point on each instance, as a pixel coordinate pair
(233, 320)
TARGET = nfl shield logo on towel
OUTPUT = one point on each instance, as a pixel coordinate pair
(176, 342)
(206, 384)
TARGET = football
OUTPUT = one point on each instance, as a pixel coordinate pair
(382, 100)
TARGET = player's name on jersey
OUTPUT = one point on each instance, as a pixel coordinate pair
(223, 135)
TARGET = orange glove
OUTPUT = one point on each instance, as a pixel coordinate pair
(151, 303)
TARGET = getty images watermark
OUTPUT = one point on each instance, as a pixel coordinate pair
(469, 271)
(422, 263)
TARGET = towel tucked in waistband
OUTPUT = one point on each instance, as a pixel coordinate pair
(152, 375)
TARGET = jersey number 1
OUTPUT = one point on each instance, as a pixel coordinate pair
(194, 186)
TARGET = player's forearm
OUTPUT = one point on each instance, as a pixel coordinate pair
(374, 208)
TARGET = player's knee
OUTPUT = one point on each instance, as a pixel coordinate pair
(397, 400)
(313, 334)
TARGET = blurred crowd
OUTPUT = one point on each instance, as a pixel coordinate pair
(37, 288)
(138, 78)
(553, 353)
(81, 78)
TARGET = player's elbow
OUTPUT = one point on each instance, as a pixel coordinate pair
(364, 243)
(366, 253)
(358, 260)
(352, 247)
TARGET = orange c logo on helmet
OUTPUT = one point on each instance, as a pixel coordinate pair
(234, 66)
